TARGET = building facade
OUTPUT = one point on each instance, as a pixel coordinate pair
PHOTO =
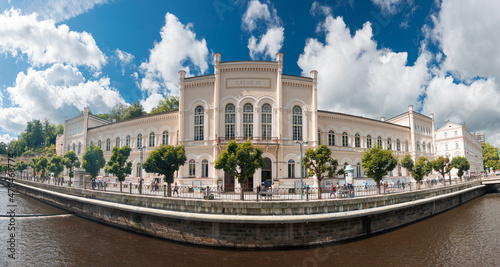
(453, 139)
(252, 100)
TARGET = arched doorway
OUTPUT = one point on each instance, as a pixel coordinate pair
(228, 183)
(266, 172)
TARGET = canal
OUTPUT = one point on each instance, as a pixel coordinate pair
(46, 236)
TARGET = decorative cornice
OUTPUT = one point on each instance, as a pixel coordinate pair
(198, 84)
(298, 84)
(248, 68)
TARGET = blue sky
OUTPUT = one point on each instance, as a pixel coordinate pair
(374, 57)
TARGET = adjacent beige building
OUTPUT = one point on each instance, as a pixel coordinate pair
(252, 99)
(453, 139)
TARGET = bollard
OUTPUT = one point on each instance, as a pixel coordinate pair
(164, 190)
(258, 192)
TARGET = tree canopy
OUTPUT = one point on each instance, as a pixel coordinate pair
(377, 163)
(56, 165)
(41, 165)
(461, 164)
(418, 170)
(118, 164)
(133, 111)
(443, 166)
(491, 159)
(169, 103)
(241, 161)
(320, 162)
(93, 160)
(70, 161)
(166, 160)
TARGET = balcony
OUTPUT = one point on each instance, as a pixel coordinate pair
(255, 140)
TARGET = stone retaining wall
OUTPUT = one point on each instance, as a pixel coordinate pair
(252, 231)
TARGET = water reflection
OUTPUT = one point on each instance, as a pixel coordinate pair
(465, 236)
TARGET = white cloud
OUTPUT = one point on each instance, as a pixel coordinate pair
(391, 7)
(319, 9)
(467, 32)
(44, 43)
(57, 10)
(178, 49)
(5, 138)
(124, 59)
(54, 92)
(151, 101)
(272, 34)
(357, 78)
(477, 104)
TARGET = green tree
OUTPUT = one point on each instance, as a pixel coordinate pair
(3, 148)
(28, 153)
(117, 112)
(41, 165)
(56, 165)
(169, 103)
(166, 160)
(491, 159)
(93, 160)
(118, 164)
(377, 163)
(320, 162)
(21, 166)
(133, 111)
(422, 168)
(461, 164)
(443, 166)
(240, 160)
(70, 161)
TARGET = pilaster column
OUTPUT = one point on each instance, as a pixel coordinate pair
(182, 75)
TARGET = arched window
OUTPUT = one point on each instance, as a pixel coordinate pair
(319, 137)
(248, 120)
(389, 143)
(192, 167)
(359, 172)
(198, 123)
(230, 120)
(357, 140)
(139, 140)
(138, 169)
(69, 148)
(398, 145)
(164, 139)
(406, 146)
(99, 144)
(127, 141)
(297, 123)
(369, 141)
(108, 145)
(418, 146)
(267, 121)
(74, 147)
(117, 142)
(79, 148)
(151, 139)
(429, 147)
(204, 168)
(291, 168)
(423, 147)
(379, 141)
(331, 138)
(345, 139)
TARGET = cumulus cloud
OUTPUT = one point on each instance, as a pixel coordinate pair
(5, 138)
(44, 43)
(319, 9)
(151, 101)
(467, 34)
(357, 78)
(124, 59)
(60, 89)
(258, 18)
(178, 49)
(57, 10)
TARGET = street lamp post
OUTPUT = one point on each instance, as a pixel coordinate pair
(140, 170)
(301, 169)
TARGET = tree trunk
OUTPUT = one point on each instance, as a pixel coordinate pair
(378, 187)
(242, 193)
(120, 186)
(169, 189)
(319, 188)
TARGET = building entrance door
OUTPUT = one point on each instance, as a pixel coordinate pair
(228, 183)
(266, 172)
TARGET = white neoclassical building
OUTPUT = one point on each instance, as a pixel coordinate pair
(453, 139)
(252, 99)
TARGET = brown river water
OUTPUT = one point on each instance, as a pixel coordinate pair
(468, 235)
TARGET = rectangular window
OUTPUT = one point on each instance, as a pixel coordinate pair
(291, 169)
